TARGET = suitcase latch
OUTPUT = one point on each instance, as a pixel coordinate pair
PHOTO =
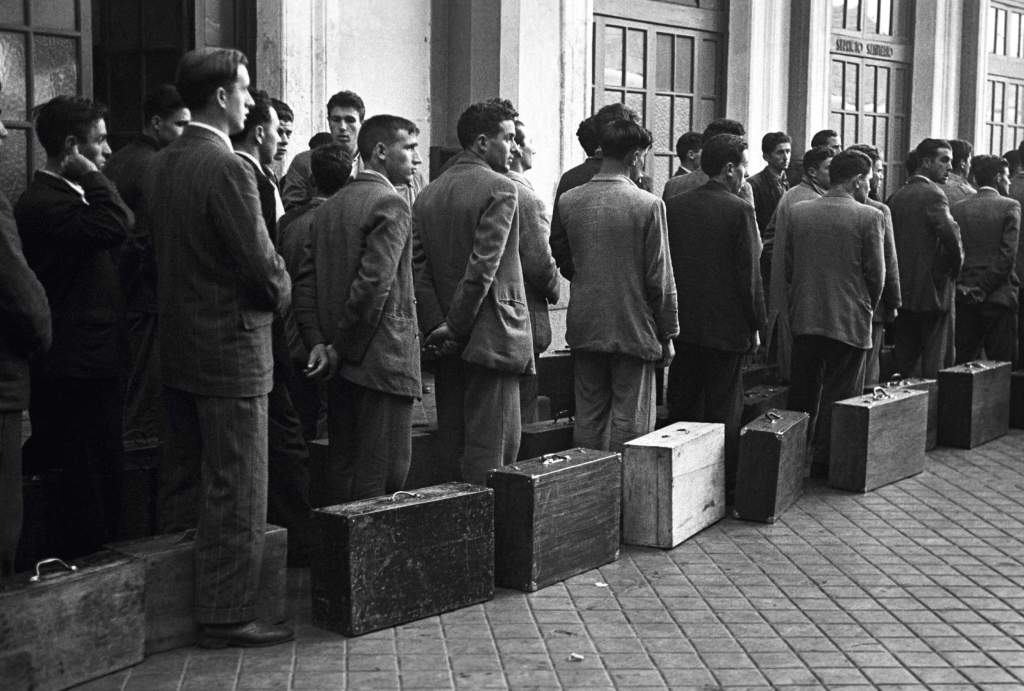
(974, 365)
(411, 495)
(879, 394)
(772, 417)
(554, 458)
(53, 560)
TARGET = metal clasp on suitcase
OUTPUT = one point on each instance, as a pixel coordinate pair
(772, 417)
(975, 365)
(53, 560)
(412, 495)
(549, 458)
(879, 394)
(563, 414)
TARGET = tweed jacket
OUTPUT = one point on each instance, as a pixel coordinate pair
(69, 241)
(24, 315)
(928, 245)
(957, 188)
(891, 299)
(715, 248)
(571, 179)
(464, 223)
(835, 268)
(990, 230)
(540, 275)
(354, 288)
(623, 297)
(778, 234)
(698, 178)
(220, 280)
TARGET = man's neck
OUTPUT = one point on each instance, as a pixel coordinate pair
(517, 167)
(839, 191)
(613, 166)
(777, 174)
(215, 120)
(247, 148)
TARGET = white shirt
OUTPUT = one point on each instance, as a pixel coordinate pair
(73, 185)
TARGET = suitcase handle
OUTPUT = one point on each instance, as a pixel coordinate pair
(52, 560)
(878, 394)
(974, 365)
(187, 536)
(396, 495)
(560, 414)
(772, 417)
(554, 458)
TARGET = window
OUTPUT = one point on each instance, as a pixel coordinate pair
(880, 17)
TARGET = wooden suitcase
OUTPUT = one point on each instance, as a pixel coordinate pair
(555, 516)
(758, 400)
(1017, 399)
(555, 380)
(974, 403)
(932, 387)
(877, 438)
(546, 436)
(772, 460)
(69, 626)
(673, 483)
(170, 584)
(389, 560)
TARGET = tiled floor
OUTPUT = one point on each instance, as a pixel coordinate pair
(917, 585)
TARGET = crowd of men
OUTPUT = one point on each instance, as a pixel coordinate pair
(257, 313)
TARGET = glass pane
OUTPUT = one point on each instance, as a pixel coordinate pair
(12, 11)
(990, 30)
(614, 38)
(54, 14)
(55, 67)
(849, 131)
(682, 118)
(1013, 35)
(835, 122)
(661, 125)
(1011, 103)
(636, 55)
(13, 157)
(1000, 46)
(836, 90)
(882, 93)
(663, 67)
(885, 17)
(838, 14)
(708, 112)
(850, 90)
(12, 75)
(636, 102)
(871, 17)
(853, 15)
(611, 96)
(868, 104)
(899, 91)
(220, 23)
(708, 68)
(997, 102)
(684, 64)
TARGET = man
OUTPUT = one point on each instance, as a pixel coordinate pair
(768, 186)
(357, 310)
(688, 150)
(166, 118)
(986, 290)
(622, 308)
(71, 220)
(829, 138)
(813, 185)
(835, 269)
(540, 275)
(957, 185)
(715, 249)
(286, 121)
(24, 334)
(929, 253)
(220, 283)
(471, 301)
(685, 183)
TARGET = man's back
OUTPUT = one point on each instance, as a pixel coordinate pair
(540, 276)
(127, 166)
(990, 231)
(698, 178)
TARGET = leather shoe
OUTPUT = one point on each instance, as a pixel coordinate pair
(251, 634)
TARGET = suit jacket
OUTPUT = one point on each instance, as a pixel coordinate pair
(571, 179)
(891, 299)
(715, 249)
(927, 245)
(220, 280)
(767, 191)
(24, 315)
(298, 186)
(355, 286)
(698, 178)
(957, 188)
(463, 224)
(69, 241)
(540, 275)
(835, 268)
(623, 297)
(778, 234)
(990, 230)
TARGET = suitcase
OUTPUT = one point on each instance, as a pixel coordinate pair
(759, 374)
(758, 400)
(72, 623)
(974, 403)
(877, 438)
(1017, 399)
(389, 560)
(555, 516)
(556, 381)
(932, 387)
(170, 585)
(772, 460)
(547, 436)
(673, 483)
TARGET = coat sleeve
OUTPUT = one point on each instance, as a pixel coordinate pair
(297, 187)
(873, 256)
(428, 306)
(560, 250)
(307, 313)
(102, 222)
(539, 269)
(948, 233)
(891, 299)
(998, 272)
(24, 310)
(660, 281)
(748, 271)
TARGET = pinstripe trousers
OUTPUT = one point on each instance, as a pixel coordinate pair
(223, 441)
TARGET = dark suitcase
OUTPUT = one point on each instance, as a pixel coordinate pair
(932, 387)
(877, 439)
(1017, 399)
(170, 584)
(389, 560)
(772, 460)
(546, 436)
(974, 403)
(759, 374)
(556, 381)
(555, 516)
(69, 626)
(758, 400)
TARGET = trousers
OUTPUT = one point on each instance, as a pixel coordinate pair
(987, 325)
(924, 342)
(614, 399)
(10, 489)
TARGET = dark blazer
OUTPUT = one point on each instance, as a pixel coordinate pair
(24, 315)
(355, 290)
(69, 242)
(990, 230)
(463, 223)
(715, 248)
(891, 297)
(539, 271)
(767, 191)
(927, 245)
(220, 280)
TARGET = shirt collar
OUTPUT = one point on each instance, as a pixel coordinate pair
(203, 125)
(249, 157)
(73, 185)
(377, 174)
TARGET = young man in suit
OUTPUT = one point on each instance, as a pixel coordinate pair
(685, 183)
(688, 148)
(957, 185)
(471, 301)
(71, 222)
(220, 284)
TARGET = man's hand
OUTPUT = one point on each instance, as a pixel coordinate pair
(323, 362)
(441, 342)
(668, 352)
(75, 165)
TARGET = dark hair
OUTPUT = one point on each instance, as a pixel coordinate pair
(622, 136)
(520, 136)
(611, 113)
(723, 126)
(691, 141)
(720, 150)
(484, 117)
(987, 168)
(847, 165)
(64, 116)
(929, 148)
(204, 70)
(815, 156)
(382, 128)
(320, 139)
(331, 167)
(1013, 158)
(821, 137)
(163, 101)
(912, 162)
(284, 111)
(869, 150)
(772, 140)
(259, 114)
(347, 99)
(587, 137)
(962, 150)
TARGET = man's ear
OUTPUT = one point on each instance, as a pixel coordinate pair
(70, 143)
(259, 132)
(480, 143)
(380, 151)
(222, 97)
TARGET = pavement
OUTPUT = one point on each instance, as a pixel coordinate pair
(918, 585)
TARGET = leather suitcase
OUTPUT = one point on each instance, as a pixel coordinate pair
(546, 436)
(877, 438)
(932, 387)
(758, 400)
(974, 403)
(389, 560)
(673, 483)
(555, 516)
(1017, 399)
(555, 380)
(68, 627)
(772, 460)
(170, 584)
